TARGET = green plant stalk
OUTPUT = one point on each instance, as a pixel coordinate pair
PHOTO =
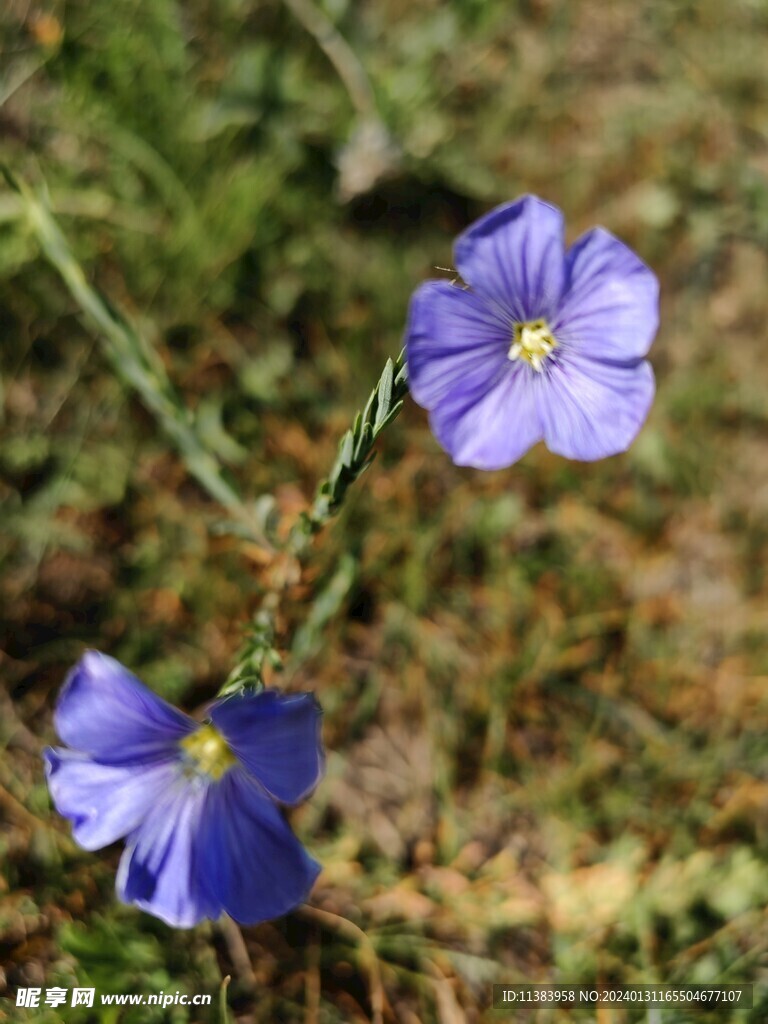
(135, 362)
(257, 651)
(356, 453)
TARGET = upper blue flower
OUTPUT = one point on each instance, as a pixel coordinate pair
(542, 344)
(196, 803)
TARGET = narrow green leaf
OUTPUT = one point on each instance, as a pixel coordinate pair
(369, 405)
(384, 393)
(347, 448)
(364, 441)
(391, 416)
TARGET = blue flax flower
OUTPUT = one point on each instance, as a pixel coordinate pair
(541, 344)
(197, 804)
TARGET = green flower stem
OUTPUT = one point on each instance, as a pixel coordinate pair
(136, 363)
(355, 452)
(355, 456)
(257, 652)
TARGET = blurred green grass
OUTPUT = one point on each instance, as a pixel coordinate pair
(545, 691)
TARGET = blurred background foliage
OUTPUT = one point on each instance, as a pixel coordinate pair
(544, 689)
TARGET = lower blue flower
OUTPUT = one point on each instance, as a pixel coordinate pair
(196, 804)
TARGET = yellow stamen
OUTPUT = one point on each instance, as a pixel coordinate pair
(208, 751)
(532, 341)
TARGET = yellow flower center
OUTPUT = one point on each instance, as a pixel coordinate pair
(532, 341)
(208, 752)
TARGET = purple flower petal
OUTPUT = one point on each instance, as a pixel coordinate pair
(254, 864)
(590, 410)
(611, 309)
(160, 870)
(104, 802)
(456, 344)
(514, 256)
(277, 738)
(106, 712)
(499, 427)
